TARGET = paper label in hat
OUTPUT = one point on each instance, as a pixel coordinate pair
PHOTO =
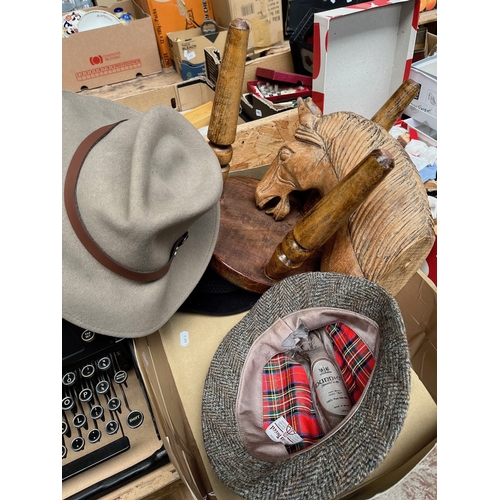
(282, 432)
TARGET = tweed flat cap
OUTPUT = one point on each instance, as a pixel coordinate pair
(265, 429)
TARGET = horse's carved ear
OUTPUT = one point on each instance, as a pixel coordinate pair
(309, 113)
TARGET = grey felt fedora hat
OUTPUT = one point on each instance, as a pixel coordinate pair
(256, 464)
(140, 214)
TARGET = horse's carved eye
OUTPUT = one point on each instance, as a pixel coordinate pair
(285, 154)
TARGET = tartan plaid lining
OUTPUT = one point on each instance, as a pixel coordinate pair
(353, 357)
(286, 391)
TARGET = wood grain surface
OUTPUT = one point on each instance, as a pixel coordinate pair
(248, 236)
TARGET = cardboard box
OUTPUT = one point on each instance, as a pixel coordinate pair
(429, 46)
(423, 108)
(69, 5)
(194, 99)
(279, 61)
(362, 54)
(276, 91)
(264, 16)
(166, 357)
(160, 88)
(284, 76)
(169, 16)
(112, 54)
(187, 48)
(424, 132)
(192, 94)
(254, 107)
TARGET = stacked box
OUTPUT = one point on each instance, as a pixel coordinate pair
(264, 17)
(110, 54)
(169, 16)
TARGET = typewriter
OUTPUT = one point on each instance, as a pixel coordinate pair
(109, 435)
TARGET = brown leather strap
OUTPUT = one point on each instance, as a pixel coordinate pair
(79, 227)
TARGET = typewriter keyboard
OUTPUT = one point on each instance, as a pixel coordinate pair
(107, 424)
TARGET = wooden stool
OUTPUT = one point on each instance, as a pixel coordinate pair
(384, 234)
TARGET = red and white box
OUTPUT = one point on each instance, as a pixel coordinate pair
(362, 53)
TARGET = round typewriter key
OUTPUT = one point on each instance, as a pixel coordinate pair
(79, 420)
(69, 379)
(67, 403)
(96, 412)
(134, 419)
(85, 395)
(64, 451)
(102, 387)
(66, 431)
(104, 363)
(111, 427)
(88, 336)
(120, 376)
(94, 435)
(114, 404)
(88, 371)
(77, 444)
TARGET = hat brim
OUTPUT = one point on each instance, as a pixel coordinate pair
(215, 296)
(344, 458)
(157, 301)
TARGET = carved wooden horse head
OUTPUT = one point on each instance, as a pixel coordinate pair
(388, 237)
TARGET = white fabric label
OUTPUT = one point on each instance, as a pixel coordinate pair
(282, 432)
(184, 337)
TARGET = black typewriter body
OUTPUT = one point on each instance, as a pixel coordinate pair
(109, 435)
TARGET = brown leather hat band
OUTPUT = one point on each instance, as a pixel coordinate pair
(79, 227)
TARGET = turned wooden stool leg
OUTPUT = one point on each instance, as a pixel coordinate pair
(328, 215)
(224, 117)
(387, 115)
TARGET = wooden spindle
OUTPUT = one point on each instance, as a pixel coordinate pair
(388, 114)
(224, 117)
(329, 214)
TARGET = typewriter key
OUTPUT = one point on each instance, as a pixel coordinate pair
(120, 376)
(134, 419)
(85, 395)
(69, 379)
(102, 387)
(104, 363)
(94, 435)
(114, 404)
(80, 420)
(78, 444)
(96, 412)
(67, 403)
(66, 431)
(87, 371)
(111, 427)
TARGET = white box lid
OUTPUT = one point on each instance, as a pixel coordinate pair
(362, 54)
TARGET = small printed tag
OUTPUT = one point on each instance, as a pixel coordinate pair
(184, 338)
(282, 432)
(189, 55)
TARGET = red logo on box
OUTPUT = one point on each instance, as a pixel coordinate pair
(133, 64)
(96, 60)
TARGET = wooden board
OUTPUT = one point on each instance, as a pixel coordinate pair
(156, 485)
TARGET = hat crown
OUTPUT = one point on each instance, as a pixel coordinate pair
(134, 199)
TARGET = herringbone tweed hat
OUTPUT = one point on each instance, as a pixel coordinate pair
(256, 466)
